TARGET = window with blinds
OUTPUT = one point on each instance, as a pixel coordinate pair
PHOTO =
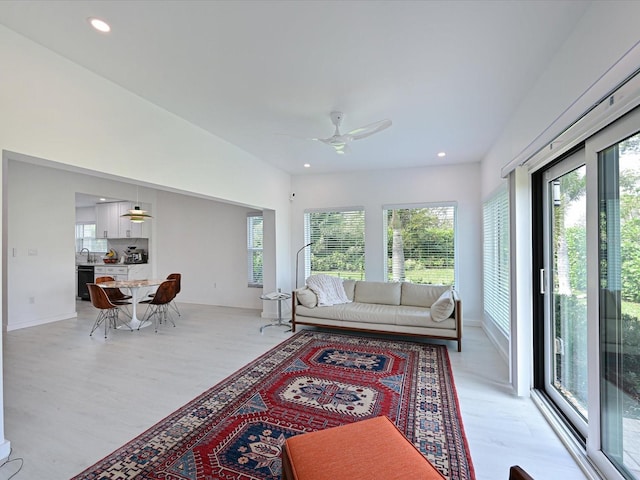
(254, 250)
(496, 249)
(86, 238)
(420, 243)
(337, 239)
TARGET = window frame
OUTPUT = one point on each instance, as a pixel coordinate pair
(93, 242)
(252, 250)
(308, 237)
(418, 206)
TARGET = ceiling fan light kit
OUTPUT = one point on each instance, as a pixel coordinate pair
(340, 142)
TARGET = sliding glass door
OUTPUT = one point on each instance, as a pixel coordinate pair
(619, 304)
(590, 294)
(564, 281)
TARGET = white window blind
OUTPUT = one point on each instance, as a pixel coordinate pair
(86, 238)
(420, 243)
(254, 250)
(338, 243)
(496, 249)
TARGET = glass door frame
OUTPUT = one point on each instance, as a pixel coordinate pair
(618, 131)
(568, 163)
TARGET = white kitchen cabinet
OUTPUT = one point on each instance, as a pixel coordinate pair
(107, 220)
(139, 271)
(111, 224)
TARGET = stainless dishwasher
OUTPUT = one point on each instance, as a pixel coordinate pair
(85, 275)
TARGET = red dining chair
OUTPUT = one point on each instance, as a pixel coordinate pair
(108, 311)
(158, 305)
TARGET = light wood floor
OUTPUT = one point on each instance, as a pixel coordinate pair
(71, 399)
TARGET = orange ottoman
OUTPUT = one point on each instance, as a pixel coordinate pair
(365, 450)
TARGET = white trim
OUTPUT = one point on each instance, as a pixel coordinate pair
(5, 450)
(334, 209)
(41, 321)
(521, 334)
(568, 439)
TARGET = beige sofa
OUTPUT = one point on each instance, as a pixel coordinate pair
(433, 311)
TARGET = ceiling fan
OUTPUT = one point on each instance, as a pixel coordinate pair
(340, 141)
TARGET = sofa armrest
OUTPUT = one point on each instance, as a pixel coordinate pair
(457, 314)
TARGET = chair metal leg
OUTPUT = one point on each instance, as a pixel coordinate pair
(159, 313)
(99, 319)
(175, 307)
(110, 319)
(168, 315)
(152, 311)
(116, 319)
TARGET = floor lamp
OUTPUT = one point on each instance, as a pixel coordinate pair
(297, 258)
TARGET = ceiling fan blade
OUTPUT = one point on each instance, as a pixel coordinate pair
(370, 129)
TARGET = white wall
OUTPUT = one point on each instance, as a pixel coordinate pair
(602, 51)
(56, 110)
(202, 244)
(203, 240)
(372, 190)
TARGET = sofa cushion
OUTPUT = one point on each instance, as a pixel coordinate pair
(376, 315)
(306, 297)
(383, 293)
(443, 307)
(419, 295)
(349, 288)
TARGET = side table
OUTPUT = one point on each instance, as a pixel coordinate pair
(278, 297)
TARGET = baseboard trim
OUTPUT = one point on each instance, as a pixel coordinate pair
(41, 321)
(5, 449)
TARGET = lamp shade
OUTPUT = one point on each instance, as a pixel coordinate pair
(137, 215)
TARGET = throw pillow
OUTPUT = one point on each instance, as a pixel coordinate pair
(306, 297)
(443, 307)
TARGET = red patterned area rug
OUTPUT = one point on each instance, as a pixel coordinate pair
(309, 382)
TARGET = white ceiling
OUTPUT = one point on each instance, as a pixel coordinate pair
(449, 74)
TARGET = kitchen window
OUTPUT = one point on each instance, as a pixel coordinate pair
(86, 238)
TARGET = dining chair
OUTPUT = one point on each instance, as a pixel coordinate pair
(116, 295)
(158, 305)
(177, 277)
(517, 473)
(108, 311)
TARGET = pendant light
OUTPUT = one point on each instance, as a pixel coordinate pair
(136, 214)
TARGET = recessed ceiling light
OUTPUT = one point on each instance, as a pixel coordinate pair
(99, 25)
(307, 165)
(442, 154)
(103, 199)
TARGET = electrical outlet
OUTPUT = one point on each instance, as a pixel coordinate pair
(33, 252)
